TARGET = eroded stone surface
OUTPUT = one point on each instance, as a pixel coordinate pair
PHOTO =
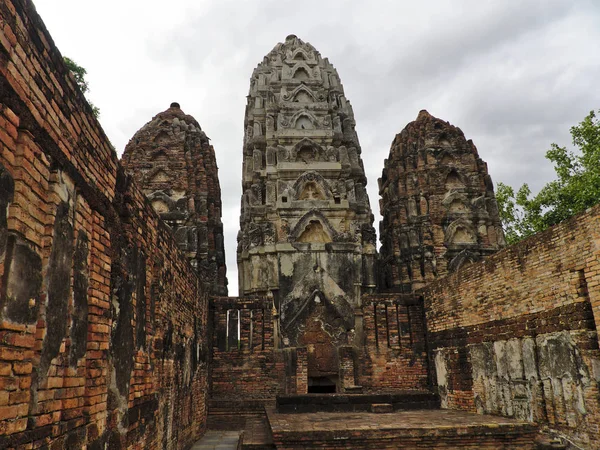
(104, 327)
(438, 205)
(306, 225)
(103, 340)
(173, 162)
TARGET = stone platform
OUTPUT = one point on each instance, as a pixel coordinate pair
(400, 429)
(398, 401)
(404, 419)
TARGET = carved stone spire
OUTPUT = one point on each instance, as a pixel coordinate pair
(173, 162)
(438, 205)
(306, 224)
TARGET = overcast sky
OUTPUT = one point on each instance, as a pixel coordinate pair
(514, 75)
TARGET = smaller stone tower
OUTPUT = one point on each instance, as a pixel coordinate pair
(173, 162)
(438, 205)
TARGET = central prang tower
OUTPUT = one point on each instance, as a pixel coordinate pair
(306, 231)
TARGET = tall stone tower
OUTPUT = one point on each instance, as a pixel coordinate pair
(438, 205)
(306, 231)
(173, 162)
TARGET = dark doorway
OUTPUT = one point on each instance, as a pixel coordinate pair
(321, 385)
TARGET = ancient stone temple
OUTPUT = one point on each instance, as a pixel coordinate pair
(438, 206)
(306, 225)
(115, 331)
(172, 161)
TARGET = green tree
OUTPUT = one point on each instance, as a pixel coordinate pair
(576, 188)
(79, 73)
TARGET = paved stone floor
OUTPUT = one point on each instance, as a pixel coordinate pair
(424, 423)
(218, 440)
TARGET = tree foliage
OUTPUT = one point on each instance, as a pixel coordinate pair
(576, 188)
(79, 73)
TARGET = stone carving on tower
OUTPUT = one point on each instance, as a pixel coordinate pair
(172, 160)
(438, 205)
(306, 231)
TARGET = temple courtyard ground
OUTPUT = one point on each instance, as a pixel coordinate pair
(365, 430)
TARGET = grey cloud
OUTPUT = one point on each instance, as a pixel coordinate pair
(514, 75)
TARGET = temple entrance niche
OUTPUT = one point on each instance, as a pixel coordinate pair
(323, 331)
(322, 385)
(304, 123)
(301, 74)
(314, 233)
(307, 153)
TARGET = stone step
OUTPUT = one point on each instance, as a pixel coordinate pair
(257, 435)
(226, 414)
(353, 390)
(548, 442)
(399, 401)
(381, 408)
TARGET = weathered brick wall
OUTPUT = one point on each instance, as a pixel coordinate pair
(438, 206)
(394, 355)
(247, 371)
(172, 161)
(102, 321)
(245, 364)
(516, 334)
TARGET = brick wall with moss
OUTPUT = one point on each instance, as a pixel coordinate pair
(516, 334)
(102, 321)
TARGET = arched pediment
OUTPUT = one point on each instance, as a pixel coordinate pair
(301, 72)
(304, 120)
(460, 232)
(161, 137)
(160, 206)
(454, 180)
(158, 175)
(311, 191)
(446, 158)
(313, 228)
(462, 259)
(159, 153)
(315, 178)
(443, 141)
(161, 202)
(303, 97)
(314, 232)
(297, 310)
(458, 207)
(308, 150)
(456, 202)
(302, 94)
(300, 55)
